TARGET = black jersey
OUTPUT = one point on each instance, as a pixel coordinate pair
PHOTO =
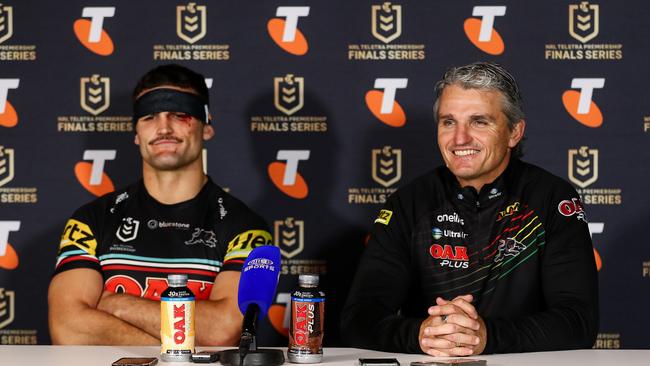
(521, 247)
(135, 241)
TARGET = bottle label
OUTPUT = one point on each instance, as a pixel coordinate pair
(177, 325)
(306, 336)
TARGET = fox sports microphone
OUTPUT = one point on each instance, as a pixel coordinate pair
(257, 284)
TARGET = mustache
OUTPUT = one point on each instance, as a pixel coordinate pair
(165, 137)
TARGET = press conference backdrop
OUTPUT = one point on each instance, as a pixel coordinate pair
(321, 110)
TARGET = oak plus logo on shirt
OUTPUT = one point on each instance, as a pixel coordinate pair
(452, 256)
(284, 29)
(91, 175)
(580, 104)
(128, 230)
(8, 114)
(481, 32)
(383, 104)
(91, 33)
(8, 255)
(285, 176)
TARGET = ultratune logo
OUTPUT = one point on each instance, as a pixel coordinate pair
(91, 175)
(285, 176)
(583, 166)
(7, 306)
(386, 21)
(482, 33)
(452, 256)
(289, 93)
(285, 33)
(383, 104)
(289, 236)
(6, 22)
(191, 22)
(437, 233)
(8, 256)
(95, 95)
(8, 115)
(6, 165)
(386, 165)
(90, 32)
(583, 21)
(572, 207)
(454, 218)
(128, 230)
(580, 105)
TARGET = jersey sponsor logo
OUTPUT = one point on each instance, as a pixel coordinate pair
(509, 247)
(90, 32)
(451, 256)
(78, 234)
(8, 114)
(128, 230)
(205, 237)
(384, 217)
(7, 307)
(482, 33)
(438, 233)
(453, 218)
(191, 22)
(244, 243)
(383, 105)
(572, 207)
(386, 21)
(584, 21)
(285, 32)
(508, 211)
(154, 287)
(155, 224)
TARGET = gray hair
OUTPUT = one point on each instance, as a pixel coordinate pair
(486, 76)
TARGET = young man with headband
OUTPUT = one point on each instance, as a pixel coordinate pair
(115, 252)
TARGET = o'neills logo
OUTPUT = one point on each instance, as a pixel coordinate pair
(481, 31)
(386, 165)
(580, 105)
(7, 172)
(8, 114)
(289, 235)
(191, 27)
(583, 171)
(584, 27)
(95, 99)
(383, 105)
(284, 29)
(91, 33)
(453, 218)
(386, 26)
(91, 175)
(450, 256)
(12, 52)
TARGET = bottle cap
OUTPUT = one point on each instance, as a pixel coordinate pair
(308, 280)
(177, 279)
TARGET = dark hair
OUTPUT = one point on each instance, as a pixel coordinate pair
(486, 76)
(173, 75)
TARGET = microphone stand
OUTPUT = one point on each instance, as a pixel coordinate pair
(247, 354)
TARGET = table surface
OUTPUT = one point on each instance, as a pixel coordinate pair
(105, 355)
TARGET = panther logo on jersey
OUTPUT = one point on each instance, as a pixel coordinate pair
(205, 237)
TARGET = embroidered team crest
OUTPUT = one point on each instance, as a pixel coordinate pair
(6, 165)
(205, 237)
(6, 22)
(289, 236)
(509, 247)
(7, 307)
(289, 93)
(95, 94)
(583, 166)
(386, 21)
(191, 22)
(386, 165)
(583, 21)
(128, 230)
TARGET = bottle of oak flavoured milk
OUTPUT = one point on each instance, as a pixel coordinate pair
(177, 320)
(307, 315)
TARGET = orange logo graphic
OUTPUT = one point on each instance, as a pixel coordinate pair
(286, 176)
(383, 104)
(91, 175)
(597, 228)
(8, 256)
(8, 115)
(481, 32)
(579, 104)
(599, 262)
(90, 32)
(285, 33)
(276, 316)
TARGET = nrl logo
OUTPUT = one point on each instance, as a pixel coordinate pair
(6, 165)
(95, 94)
(583, 166)
(289, 236)
(6, 22)
(386, 165)
(128, 230)
(583, 21)
(191, 22)
(6, 307)
(289, 92)
(386, 21)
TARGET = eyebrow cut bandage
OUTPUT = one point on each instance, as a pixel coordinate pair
(170, 100)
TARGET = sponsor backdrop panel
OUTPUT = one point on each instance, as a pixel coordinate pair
(321, 112)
